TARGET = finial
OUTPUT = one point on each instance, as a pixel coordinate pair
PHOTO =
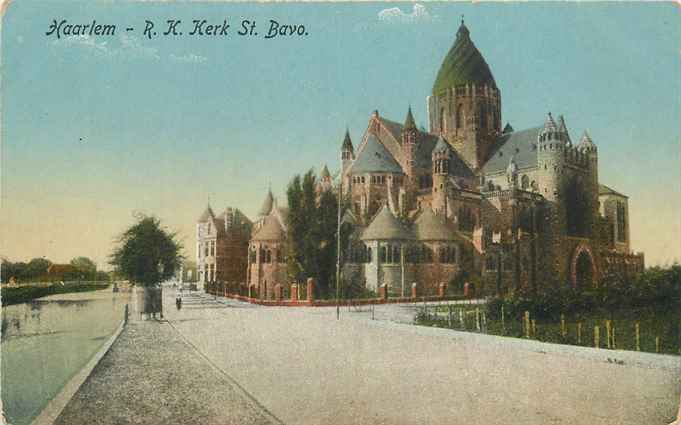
(462, 19)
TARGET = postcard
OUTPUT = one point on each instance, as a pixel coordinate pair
(340, 213)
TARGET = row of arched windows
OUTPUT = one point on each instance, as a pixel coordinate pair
(413, 254)
(267, 256)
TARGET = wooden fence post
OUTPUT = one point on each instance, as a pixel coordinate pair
(579, 333)
(503, 321)
(461, 319)
(449, 315)
(563, 331)
(597, 336)
(534, 328)
(614, 345)
(484, 322)
(657, 344)
(608, 334)
(527, 324)
(477, 319)
(638, 336)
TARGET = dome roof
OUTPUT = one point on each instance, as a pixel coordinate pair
(270, 230)
(386, 227)
(431, 227)
(267, 204)
(463, 64)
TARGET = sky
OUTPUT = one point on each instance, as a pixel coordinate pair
(97, 128)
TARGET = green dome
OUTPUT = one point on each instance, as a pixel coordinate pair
(463, 65)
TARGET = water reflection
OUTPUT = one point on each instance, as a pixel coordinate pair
(47, 341)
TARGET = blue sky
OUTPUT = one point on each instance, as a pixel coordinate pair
(168, 122)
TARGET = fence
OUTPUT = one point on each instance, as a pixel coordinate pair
(658, 334)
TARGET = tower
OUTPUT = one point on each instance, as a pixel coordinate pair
(409, 143)
(465, 105)
(441, 156)
(347, 153)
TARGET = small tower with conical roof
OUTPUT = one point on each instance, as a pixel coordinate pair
(347, 153)
(442, 155)
(550, 159)
(465, 105)
(409, 143)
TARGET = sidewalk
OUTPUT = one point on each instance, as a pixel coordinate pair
(152, 375)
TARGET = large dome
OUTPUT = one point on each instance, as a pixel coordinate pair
(463, 65)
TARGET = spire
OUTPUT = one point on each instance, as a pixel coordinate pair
(508, 129)
(562, 129)
(409, 123)
(550, 124)
(463, 30)
(267, 204)
(347, 143)
(586, 144)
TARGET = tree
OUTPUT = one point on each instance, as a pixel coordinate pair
(146, 253)
(37, 267)
(85, 266)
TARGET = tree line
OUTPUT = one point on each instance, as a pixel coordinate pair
(37, 270)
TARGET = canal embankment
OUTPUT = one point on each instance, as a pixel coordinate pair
(48, 342)
(18, 294)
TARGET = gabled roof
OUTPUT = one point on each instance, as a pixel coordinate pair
(463, 64)
(522, 144)
(385, 226)
(424, 149)
(270, 230)
(207, 215)
(605, 190)
(374, 157)
(432, 227)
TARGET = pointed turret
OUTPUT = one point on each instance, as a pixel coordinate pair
(267, 204)
(586, 144)
(563, 131)
(409, 123)
(347, 142)
(508, 129)
(347, 154)
(550, 129)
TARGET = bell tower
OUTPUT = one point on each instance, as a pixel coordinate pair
(465, 105)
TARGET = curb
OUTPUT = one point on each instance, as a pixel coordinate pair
(55, 406)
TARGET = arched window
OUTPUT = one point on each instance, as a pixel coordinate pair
(382, 255)
(466, 219)
(396, 254)
(268, 256)
(459, 116)
(369, 255)
(525, 182)
(490, 186)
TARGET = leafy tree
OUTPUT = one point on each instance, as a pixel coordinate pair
(85, 266)
(146, 253)
(312, 226)
(37, 267)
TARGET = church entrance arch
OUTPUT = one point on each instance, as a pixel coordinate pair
(583, 268)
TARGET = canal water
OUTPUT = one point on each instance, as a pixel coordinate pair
(47, 341)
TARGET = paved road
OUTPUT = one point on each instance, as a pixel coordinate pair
(308, 368)
(152, 376)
